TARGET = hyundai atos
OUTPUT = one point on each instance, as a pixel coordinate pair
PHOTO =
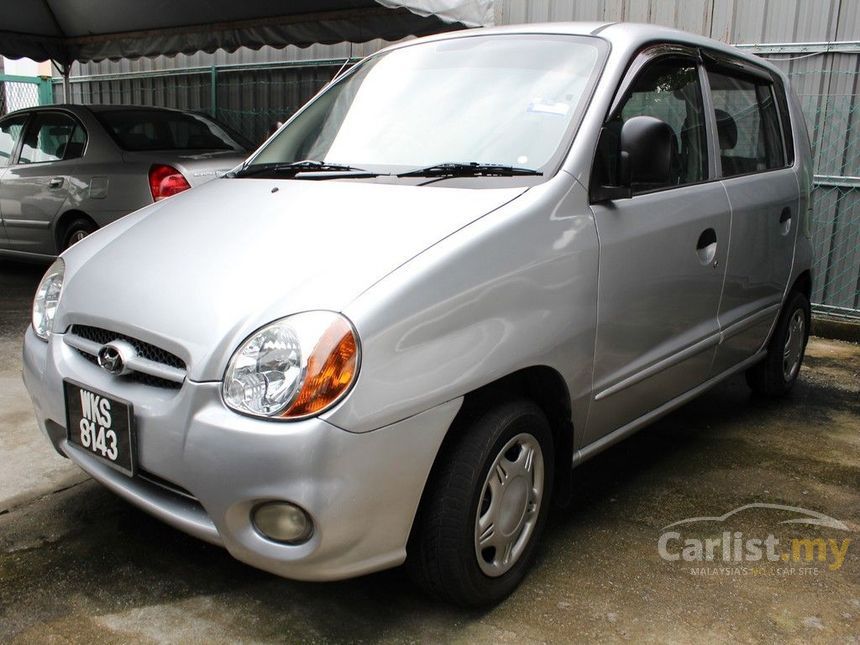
(468, 265)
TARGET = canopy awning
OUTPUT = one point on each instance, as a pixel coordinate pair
(93, 30)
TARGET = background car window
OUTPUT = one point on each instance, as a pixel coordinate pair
(77, 143)
(747, 124)
(669, 89)
(47, 137)
(10, 131)
(166, 130)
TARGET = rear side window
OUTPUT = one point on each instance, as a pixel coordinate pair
(10, 132)
(748, 127)
(140, 130)
(51, 137)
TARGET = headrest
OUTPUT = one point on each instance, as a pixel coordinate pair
(727, 130)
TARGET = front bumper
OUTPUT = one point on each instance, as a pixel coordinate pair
(361, 490)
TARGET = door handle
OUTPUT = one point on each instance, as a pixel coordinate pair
(56, 182)
(706, 247)
(785, 220)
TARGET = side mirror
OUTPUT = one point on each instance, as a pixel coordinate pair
(646, 151)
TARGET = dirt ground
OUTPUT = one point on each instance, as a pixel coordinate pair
(79, 565)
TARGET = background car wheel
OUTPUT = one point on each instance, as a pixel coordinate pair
(777, 373)
(485, 507)
(77, 231)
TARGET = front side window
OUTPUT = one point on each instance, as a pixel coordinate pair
(10, 132)
(668, 89)
(508, 100)
(747, 124)
(49, 137)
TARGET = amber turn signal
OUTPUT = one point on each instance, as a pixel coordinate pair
(331, 369)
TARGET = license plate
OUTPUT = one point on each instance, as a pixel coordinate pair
(101, 425)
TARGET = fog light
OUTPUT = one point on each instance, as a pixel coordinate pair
(282, 522)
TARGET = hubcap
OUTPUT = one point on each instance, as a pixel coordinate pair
(793, 350)
(76, 237)
(510, 505)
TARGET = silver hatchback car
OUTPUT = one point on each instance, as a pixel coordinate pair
(470, 264)
(66, 170)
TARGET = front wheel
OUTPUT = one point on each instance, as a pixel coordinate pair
(777, 373)
(485, 507)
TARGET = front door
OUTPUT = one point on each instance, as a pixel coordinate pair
(662, 261)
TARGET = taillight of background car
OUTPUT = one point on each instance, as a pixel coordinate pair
(165, 181)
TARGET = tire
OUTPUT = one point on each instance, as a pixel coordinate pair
(776, 374)
(443, 554)
(76, 231)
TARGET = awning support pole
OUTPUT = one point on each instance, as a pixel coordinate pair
(64, 71)
(67, 86)
(213, 91)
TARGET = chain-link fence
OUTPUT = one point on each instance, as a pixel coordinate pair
(22, 92)
(836, 205)
(252, 99)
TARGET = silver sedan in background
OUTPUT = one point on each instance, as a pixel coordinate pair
(67, 170)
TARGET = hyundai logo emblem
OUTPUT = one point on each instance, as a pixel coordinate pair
(113, 357)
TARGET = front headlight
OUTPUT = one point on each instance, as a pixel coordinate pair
(295, 367)
(47, 298)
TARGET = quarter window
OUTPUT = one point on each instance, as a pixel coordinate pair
(747, 124)
(51, 137)
(668, 89)
(10, 132)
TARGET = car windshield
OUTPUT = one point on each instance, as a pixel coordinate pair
(141, 129)
(505, 100)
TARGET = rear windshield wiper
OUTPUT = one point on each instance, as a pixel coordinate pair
(471, 169)
(292, 168)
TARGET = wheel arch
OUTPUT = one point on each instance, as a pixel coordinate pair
(64, 221)
(803, 283)
(541, 384)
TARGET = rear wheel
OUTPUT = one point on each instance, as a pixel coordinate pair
(485, 507)
(777, 373)
(76, 231)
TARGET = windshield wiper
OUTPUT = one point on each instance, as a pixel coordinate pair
(471, 169)
(292, 168)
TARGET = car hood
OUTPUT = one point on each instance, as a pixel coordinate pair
(195, 274)
(197, 166)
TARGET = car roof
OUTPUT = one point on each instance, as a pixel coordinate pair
(626, 36)
(77, 109)
(107, 107)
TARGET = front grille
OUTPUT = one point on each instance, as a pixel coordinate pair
(153, 353)
(144, 350)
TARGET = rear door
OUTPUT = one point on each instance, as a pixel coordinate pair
(11, 129)
(763, 193)
(36, 186)
(662, 257)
